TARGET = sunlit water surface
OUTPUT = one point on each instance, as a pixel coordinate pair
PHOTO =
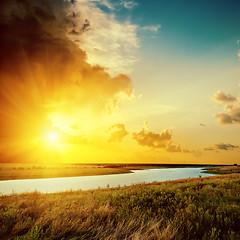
(50, 185)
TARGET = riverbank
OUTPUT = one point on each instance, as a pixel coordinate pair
(14, 171)
(200, 208)
(34, 171)
(223, 170)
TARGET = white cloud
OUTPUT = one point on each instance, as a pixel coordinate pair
(153, 28)
(108, 42)
(128, 4)
(107, 4)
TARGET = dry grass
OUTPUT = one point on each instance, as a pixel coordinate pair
(224, 170)
(29, 171)
(204, 208)
(13, 171)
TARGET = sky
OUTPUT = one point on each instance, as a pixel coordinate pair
(124, 81)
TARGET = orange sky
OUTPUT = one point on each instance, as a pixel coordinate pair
(77, 86)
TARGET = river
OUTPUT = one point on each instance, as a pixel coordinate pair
(50, 185)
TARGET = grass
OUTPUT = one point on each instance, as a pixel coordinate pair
(223, 170)
(30, 171)
(201, 208)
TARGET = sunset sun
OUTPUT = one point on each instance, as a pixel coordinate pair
(52, 137)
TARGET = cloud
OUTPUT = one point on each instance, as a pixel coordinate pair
(33, 38)
(221, 97)
(44, 64)
(151, 139)
(145, 137)
(232, 111)
(238, 41)
(153, 28)
(107, 4)
(173, 148)
(228, 146)
(222, 146)
(117, 132)
(128, 4)
(108, 43)
(232, 115)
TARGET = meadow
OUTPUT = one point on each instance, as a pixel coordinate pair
(201, 208)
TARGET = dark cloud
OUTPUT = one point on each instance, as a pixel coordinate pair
(117, 132)
(34, 44)
(221, 97)
(78, 31)
(41, 68)
(223, 146)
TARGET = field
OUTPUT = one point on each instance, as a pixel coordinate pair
(13, 171)
(201, 208)
(30, 171)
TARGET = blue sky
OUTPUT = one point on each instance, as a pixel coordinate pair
(188, 28)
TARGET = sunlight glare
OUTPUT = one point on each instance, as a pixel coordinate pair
(52, 137)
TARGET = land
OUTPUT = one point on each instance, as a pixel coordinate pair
(35, 171)
(13, 171)
(223, 169)
(201, 208)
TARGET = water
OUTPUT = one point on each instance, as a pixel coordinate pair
(50, 185)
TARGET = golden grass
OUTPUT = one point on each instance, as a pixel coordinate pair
(13, 171)
(224, 170)
(201, 208)
(29, 171)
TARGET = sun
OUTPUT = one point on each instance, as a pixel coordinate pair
(52, 137)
